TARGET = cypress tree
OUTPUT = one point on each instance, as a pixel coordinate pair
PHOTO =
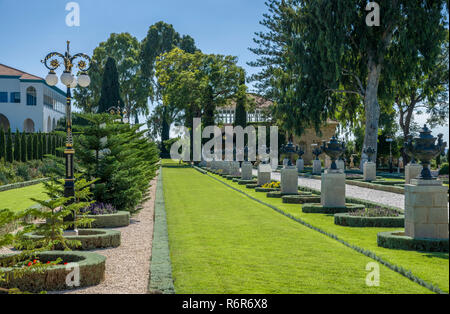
(17, 147)
(110, 94)
(45, 144)
(29, 146)
(35, 147)
(53, 139)
(9, 147)
(241, 99)
(2, 143)
(23, 143)
(39, 146)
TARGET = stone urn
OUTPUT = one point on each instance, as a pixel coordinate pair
(334, 149)
(424, 148)
(317, 152)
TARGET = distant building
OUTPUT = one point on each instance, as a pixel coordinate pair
(27, 103)
(260, 114)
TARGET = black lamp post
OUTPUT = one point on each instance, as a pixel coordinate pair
(70, 81)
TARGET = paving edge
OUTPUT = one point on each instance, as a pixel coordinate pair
(398, 269)
(160, 280)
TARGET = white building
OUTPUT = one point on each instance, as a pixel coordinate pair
(27, 103)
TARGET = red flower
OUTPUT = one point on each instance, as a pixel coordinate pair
(29, 264)
(48, 262)
(35, 261)
(65, 263)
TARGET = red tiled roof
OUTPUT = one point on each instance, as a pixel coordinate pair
(6, 70)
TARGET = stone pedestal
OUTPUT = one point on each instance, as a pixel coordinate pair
(333, 189)
(370, 171)
(289, 180)
(264, 174)
(317, 167)
(235, 169)
(285, 162)
(412, 171)
(340, 164)
(327, 163)
(300, 165)
(225, 166)
(246, 170)
(426, 209)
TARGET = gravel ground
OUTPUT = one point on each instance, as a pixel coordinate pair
(128, 266)
(382, 197)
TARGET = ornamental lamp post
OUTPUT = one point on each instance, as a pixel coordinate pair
(52, 63)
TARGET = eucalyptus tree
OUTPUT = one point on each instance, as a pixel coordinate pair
(325, 59)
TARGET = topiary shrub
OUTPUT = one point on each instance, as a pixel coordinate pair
(348, 220)
(116, 220)
(444, 169)
(300, 199)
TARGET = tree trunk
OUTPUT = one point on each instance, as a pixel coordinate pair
(372, 107)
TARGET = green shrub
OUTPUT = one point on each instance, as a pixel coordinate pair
(444, 169)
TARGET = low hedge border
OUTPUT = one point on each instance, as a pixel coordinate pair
(20, 185)
(160, 281)
(245, 182)
(278, 194)
(90, 239)
(91, 265)
(266, 190)
(251, 186)
(398, 240)
(319, 209)
(117, 220)
(300, 199)
(347, 220)
(358, 249)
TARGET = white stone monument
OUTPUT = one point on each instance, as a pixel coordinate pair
(370, 171)
(426, 209)
(327, 162)
(300, 165)
(285, 162)
(412, 171)
(247, 170)
(289, 180)
(264, 174)
(333, 188)
(340, 164)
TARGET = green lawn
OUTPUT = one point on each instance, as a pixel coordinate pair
(431, 267)
(19, 199)
(223, 242)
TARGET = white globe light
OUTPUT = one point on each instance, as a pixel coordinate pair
(84, 80)
(51, 79)
(67, 78)
(74, 82)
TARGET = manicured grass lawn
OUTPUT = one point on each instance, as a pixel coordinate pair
(223, 242)
(19, 199)
(431, 267)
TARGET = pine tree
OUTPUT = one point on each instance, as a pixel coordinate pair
(241, 99)
(24, 146)
(110, 95)
(17, 147)
(9, 147)
(29, 146)
(2, 144)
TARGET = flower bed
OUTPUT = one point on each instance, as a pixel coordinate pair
(53, 278)
(319, 209)
(91, 239)
(398, 240)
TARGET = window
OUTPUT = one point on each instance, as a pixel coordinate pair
(3, 97)
(31, 96)
(15, 98)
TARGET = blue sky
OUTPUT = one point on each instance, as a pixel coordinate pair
(29, 29)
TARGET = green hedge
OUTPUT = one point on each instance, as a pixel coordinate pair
(319, 209)
(91, 265)
(300, 199)
(20, 185)
(397, 240)
(345, 219)
(117, 220)
(91, 239)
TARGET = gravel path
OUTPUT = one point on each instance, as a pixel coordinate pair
(382, 197)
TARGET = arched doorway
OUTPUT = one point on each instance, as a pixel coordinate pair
(31, 96)
(28, 126)
(4, 122)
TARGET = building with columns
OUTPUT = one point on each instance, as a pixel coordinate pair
(27, 103)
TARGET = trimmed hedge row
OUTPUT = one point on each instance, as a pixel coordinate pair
(398, 240)
(90, 239)
(91, 266)
(117, 220)
(20, 185)
(319, 209)
(300, 199)
(347, 220)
